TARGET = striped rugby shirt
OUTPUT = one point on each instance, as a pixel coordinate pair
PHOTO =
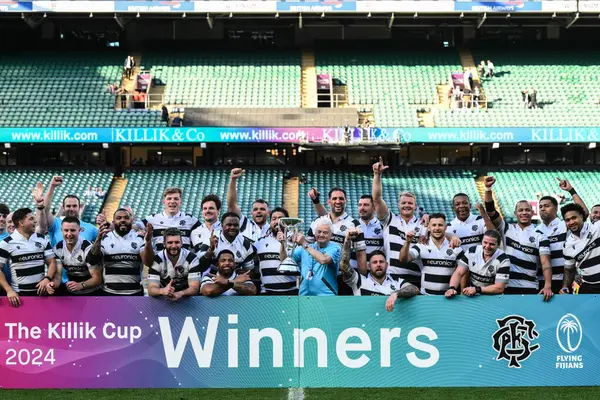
(200, 237)
(524, 248)
(583, 252)
(74, 263)
(437, 265)
(251, 230)
(273, 281)
(27, 259)
(470, 231)
(186, 223)
(373, 233)
(367, 286)
(485, 273)
(229, 292)
(556, 232)
(122, 263)
(187, 268)
(394, 236)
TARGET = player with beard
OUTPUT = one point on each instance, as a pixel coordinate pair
(526, 247)
(71, 207)
(581, 251)
(436, 259)
(257, 227)
(176, 272)
(211, 209)
(595, 214)
(377, 282)
(4, 213)
(122, 254)
(486, 265)
(273, 282)
(74, 275)
(227, 282)
(556, 232)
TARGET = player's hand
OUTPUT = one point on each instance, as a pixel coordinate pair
(564, 184)
(13, 298)
(425, 220)
(314, 194)
(219, 280)
(352, 234)
(50, 289)
(56, 181)
(379, 167)
(236, 173)
(410, 235)
(41, 286)
(469, 291)
(100, 219)
(241, 278)
(176, 296)
(214, 241)
(450, 293)
(299, 238)
(547, 292)
(149, 232)
(103, 230)
(564, 290)
(168, 290)
(281, 237)
(38, 194)
(74, 286)
(489, 181)
(389, 304)
(455, 242)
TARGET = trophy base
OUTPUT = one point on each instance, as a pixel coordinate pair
(288, 265)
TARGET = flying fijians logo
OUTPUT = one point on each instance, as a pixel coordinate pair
(569, 334)
(513, 339)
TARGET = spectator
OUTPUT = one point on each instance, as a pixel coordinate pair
(470, 79)
(164, 114)
(490, 66)
(110, 88)
(526, 99)
(482, 72)
(124, 94)
(100, 193)
(133, 65)
(177, 121)
(475, 98)
(533, 97)
(127, 67)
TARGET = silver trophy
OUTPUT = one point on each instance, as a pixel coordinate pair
(290, 227)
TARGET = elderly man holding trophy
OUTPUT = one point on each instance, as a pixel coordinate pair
(318, 263)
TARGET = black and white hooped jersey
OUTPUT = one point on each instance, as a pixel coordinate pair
(373, 233)
(242, 248)
(556, 232)
(27, 259)
(394, 236)
(485, 273)
(524, 248)
(122, 263)
(470, 231)
(251, 230)
(186, 223)
(229, 292)
(74, 263)
(187, 268)
(437, 265)
(583, 252)
(340, 228)
(273, 281)
(200, 237)
(367, 286)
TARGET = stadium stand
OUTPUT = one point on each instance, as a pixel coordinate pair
(434, 188)
(63, 90)
(525, 184)
(228, 79)
(391, 82)
(20, 182)
(566, 82)
(144, 188)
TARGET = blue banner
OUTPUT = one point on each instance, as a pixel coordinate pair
(16, 6)
(299, 135)
(154, 6)
(321, 6)
(108, 342)
(498, 6)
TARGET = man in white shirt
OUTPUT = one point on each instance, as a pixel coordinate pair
(256, 227)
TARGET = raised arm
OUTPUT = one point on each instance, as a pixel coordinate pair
(315, 196)
(148, 251)
(405, 255)
(566, 185)
(381, 207)
(232, 202)
(489, 225)
(243, 285)
(547, 271)
(41, 210)
(324, 259)
(490, 205)
(54, 183)
(347, 271)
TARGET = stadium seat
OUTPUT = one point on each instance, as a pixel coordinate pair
(144, 188)
(20, 183)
